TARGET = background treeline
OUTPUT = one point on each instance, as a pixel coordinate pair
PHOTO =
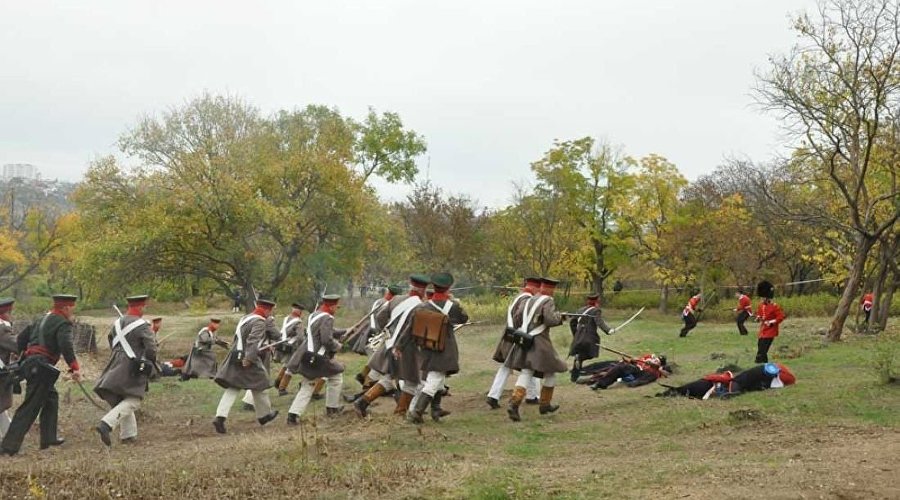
(214, 197)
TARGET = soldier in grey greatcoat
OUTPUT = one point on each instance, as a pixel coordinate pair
(541, 359)
(244, 367)
(8, 352)
(201, 362)
(504, 348)
(314, 360)
(291, 330)
(126, 377)
(436, 364)
(585, 340)
(386, 364)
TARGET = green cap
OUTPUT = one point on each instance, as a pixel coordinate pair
(442, 280)
(419, 279)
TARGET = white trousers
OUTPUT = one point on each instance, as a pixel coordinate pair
(431, 383)
(384, 380)
(333, 386)
(248, 398)
(532, 390)
(123, 415)
(526, 378)
(4, 423)
(261, 402)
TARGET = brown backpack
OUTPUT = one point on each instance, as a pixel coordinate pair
(430, 329)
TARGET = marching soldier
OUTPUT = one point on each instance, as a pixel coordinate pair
(689, 314)
(44, 342)
(770, 316)
(126, 377)
(291, 327)
(314, 361)
(362, 343)
(201, 362)
(540, 360)
(385, 365)
(586, 341)
(244, 368)
(8, 353)
(744, 310)
(439, 359)
(501, 354)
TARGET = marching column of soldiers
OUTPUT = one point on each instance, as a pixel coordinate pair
(410, 341)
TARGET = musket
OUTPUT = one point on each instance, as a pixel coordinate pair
(620, 353)
(352, 332)
(576, 315)
(273, 344)
(160, 341)
(457, 327)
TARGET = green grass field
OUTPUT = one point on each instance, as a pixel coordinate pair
(832, 435)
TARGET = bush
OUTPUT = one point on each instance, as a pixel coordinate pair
(887, 352)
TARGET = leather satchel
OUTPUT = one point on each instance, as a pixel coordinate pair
(430, 329)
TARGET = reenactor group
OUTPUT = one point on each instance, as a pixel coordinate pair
(410, 341)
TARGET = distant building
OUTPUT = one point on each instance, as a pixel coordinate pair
(20, 170)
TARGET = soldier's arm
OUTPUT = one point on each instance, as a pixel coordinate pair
(22, 339)
(7, 341)
(551, 315)
(601, 323)
(251, 345)
(457, 315)
(325, 332)
(272, 332)
(66, 346)
(149, 342)
(205, 338)
(382, 317)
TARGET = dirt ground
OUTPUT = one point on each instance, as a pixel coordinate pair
(618, 443)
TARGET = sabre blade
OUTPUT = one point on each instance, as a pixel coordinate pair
(629, 320)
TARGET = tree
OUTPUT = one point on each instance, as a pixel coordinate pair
(835, 91)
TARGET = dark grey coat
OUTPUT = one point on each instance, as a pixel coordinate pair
(382, 360)
(7, 347)
(446, 361)
(201, 363)
(119, 379)
(291, 332)
(516, 308)
(542, 357)
(322, 333)
(232, 374)
(586, 341)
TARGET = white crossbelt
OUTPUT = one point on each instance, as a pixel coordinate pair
(238, 341)
(529, 315)
(375, 306)
(121, 333)
(586, 311)
(8, 325)
(200, 333)
(509, 312)
(446, 309)
(309, 340)
(286, 324)
(400, 314)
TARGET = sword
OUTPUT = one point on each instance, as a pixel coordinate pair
(118, 311)
(88, 395)
(457, 327)
(160, 341)
(273, 344)
(629, 320)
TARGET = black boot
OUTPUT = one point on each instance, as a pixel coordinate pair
(56, 442)
(437, 413)
(268, 418)
(334, 412)
(415, 416)
(293, 419)
(219, 424)
(104, 429)
(493, 403)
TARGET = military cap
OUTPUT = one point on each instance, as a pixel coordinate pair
(765, 289)
(64, 298)
(395, 289)
(136, 298)
(442, 280)
(549, 281)
(7, 302)
(419, 279)
(533, 279)
(593, 296)
(265, 302)
(156, 319)
(330, 299)
(297, 305)
(215, 320)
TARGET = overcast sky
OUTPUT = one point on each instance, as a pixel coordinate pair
(489, 84)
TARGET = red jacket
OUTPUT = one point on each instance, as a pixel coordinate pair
(691, 305)
(769, 315)
(867, 301)
(744, 304)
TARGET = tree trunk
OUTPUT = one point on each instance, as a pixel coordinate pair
(863, 245)
(884, 309)
(663, 299)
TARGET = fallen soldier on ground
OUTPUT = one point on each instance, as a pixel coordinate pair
(633, 372)
(725, 384)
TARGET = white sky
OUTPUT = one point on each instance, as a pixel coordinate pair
(489, 84)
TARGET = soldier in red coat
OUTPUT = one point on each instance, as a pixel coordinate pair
(744, 310)
(690, 314)
(770, 316)
(866, 303)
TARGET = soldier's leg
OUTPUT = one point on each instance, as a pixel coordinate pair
(333, 385)
(263, 406)
(228, 398)
(301, 400)
(742, 317)
(35, 394)
(532, 392)
(248, 398)
(407, 392)
(762, 350)
(547, 385)
(317, 389)
(49, 417)
(434, 387)
(518, 394)
(123, 415)
(377, 390)
(4, 423)
(418, 391)
(496, 389)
